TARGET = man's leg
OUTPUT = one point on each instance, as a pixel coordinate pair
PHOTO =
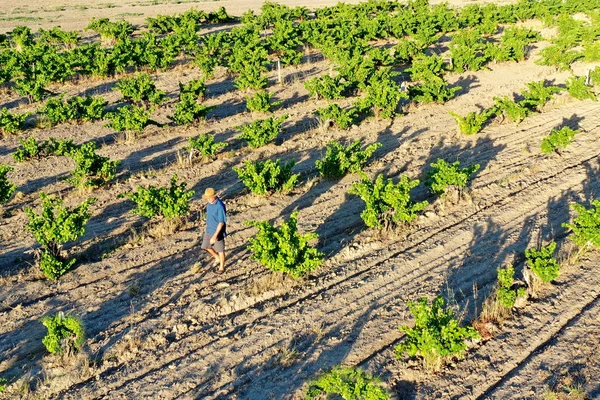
(219, 247)
(214, 254)
(222, 260)
(206, 246)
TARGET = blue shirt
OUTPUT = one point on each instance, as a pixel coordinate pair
(215, 214)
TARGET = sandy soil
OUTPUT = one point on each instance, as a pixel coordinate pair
(160, 329)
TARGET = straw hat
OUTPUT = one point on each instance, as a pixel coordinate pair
(208, 193)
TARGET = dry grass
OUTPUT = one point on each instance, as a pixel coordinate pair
(494, 311)
(434, 362)
(133, 289)
(288, 356)
(157, 230)
(83, 191)
(127, 137)
(272, 281)
(165, 227)
(21, 389)
(571, 255)
(62, 371)
(492, 314)
(142, 175)
(254, 200)
(126, 349)
(318, 331)
(566, 388)
(323, 125)
(183, 159)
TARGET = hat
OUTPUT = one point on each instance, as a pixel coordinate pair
(209, 192)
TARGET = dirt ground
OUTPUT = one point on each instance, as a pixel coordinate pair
(159, 328)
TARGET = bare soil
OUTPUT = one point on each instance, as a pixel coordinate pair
(159, 328)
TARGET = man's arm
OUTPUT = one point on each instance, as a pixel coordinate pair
(214, 238)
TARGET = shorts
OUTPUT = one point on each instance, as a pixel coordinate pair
(219, 245)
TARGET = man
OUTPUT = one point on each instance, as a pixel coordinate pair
(216, 230)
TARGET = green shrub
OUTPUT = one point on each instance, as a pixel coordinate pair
(7, 189)
(506, 295)
(33, 86)
(140, 89)
(219, 17)
(110, 30)
(542, 263)
(586, 225)
(129, 118)
(75, 108)
(57, 111)
(537, 94)
(387, 204)
(348, 383)
(340, 160)
(58, 36)
(284, 42)
(22, 37)
(208, 55)
(31, 148)
(92, 169)
(89, 108)
(595, 76)
(384, 95)
(251, 78)
(12, 122)
(3, 383)
(326, 87)
(467, 49)
(262, 131)
(61, 147)
(188, 110)
(53, 266)
(514, 111)
(284, 249)
(168, 202)
(578, 89)
(261, 102)
(437, 335)
(513, 44)
(424, 67)
(53, 227)
(195, 87)
(558, 56)
(591, 51)
(65, 334)
(264, 177)
(163, 23)
(473, 122)
(340, 117)
(204, 145)
(445, 174)
(433, 89)
(558, 139)
(249, 61)
(405, 51)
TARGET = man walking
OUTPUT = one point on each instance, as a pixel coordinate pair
(216, 230)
